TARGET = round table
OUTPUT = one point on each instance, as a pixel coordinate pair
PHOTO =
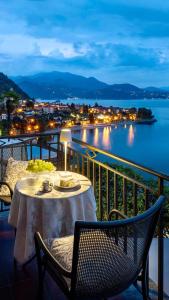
(53, 214)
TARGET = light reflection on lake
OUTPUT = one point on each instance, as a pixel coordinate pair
(106, 138)
(130, 135)
(96, 137)
(84, 135)
(144, 144)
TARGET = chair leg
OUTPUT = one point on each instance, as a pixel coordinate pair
(41, 271)
(15, 263)
(144, 291)
(40, 289)
(41, 275)
(144, 284)
(1, 206)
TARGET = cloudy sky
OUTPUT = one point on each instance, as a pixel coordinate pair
(115, 41)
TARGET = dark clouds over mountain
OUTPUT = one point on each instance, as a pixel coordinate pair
(115, 41)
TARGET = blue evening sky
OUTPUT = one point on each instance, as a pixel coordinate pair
(115, 41)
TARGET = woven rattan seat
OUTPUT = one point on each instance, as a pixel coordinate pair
(107, 256)
(62, 250)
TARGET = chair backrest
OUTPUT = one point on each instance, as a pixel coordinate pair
(108, 256)
(18, 151)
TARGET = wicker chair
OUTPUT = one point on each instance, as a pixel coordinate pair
(19, 152)
(4, 199)
(102, 259)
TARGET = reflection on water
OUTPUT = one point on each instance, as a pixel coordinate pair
(96, 136)
(84, 135)
(144, 144)
(125, 126)
(131, 135)
(106, 137)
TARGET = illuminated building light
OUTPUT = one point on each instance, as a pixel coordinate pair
(11, 132)
(36, 127)
(101, 116)
(19, 110)
(29, 128)
(51, 124)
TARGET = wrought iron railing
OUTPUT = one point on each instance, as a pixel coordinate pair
(117, 182)
(26, 147)
(116, 189)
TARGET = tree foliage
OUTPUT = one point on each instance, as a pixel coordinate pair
(144, 113)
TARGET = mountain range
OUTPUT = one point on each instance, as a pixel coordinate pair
(62, 85)
(59, 85)
(7, 84)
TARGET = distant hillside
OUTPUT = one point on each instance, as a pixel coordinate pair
(6, 84)
(61, 85)
(129, 91)
(165, 88)
(58, 85)
(154, 89)
(120, 91)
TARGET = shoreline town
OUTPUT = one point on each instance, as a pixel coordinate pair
(30, 116)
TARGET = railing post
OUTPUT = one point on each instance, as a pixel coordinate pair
(83, 165)
(94, 178)
(72, 156)
(40, 149)
(88, 168)
(147, 204)
(49, 151)
(2, 166)
(31, 152)
(115, 191)
(78, 163)
(60, 158)
(125, 196)
(108, 191)
(135, 199)
(160, 246)
(22, 152)
(100, 194)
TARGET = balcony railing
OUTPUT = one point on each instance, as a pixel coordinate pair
(117, 182)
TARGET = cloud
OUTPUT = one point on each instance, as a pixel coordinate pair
(111, 40)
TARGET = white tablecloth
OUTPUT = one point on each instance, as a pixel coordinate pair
(52, 214)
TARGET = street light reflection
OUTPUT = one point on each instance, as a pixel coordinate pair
(130, 135)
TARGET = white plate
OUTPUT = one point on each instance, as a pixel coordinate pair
(75, 187)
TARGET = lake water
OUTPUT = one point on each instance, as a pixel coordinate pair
(144, 144)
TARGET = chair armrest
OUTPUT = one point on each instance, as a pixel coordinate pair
(117, 213)
(5, 183)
